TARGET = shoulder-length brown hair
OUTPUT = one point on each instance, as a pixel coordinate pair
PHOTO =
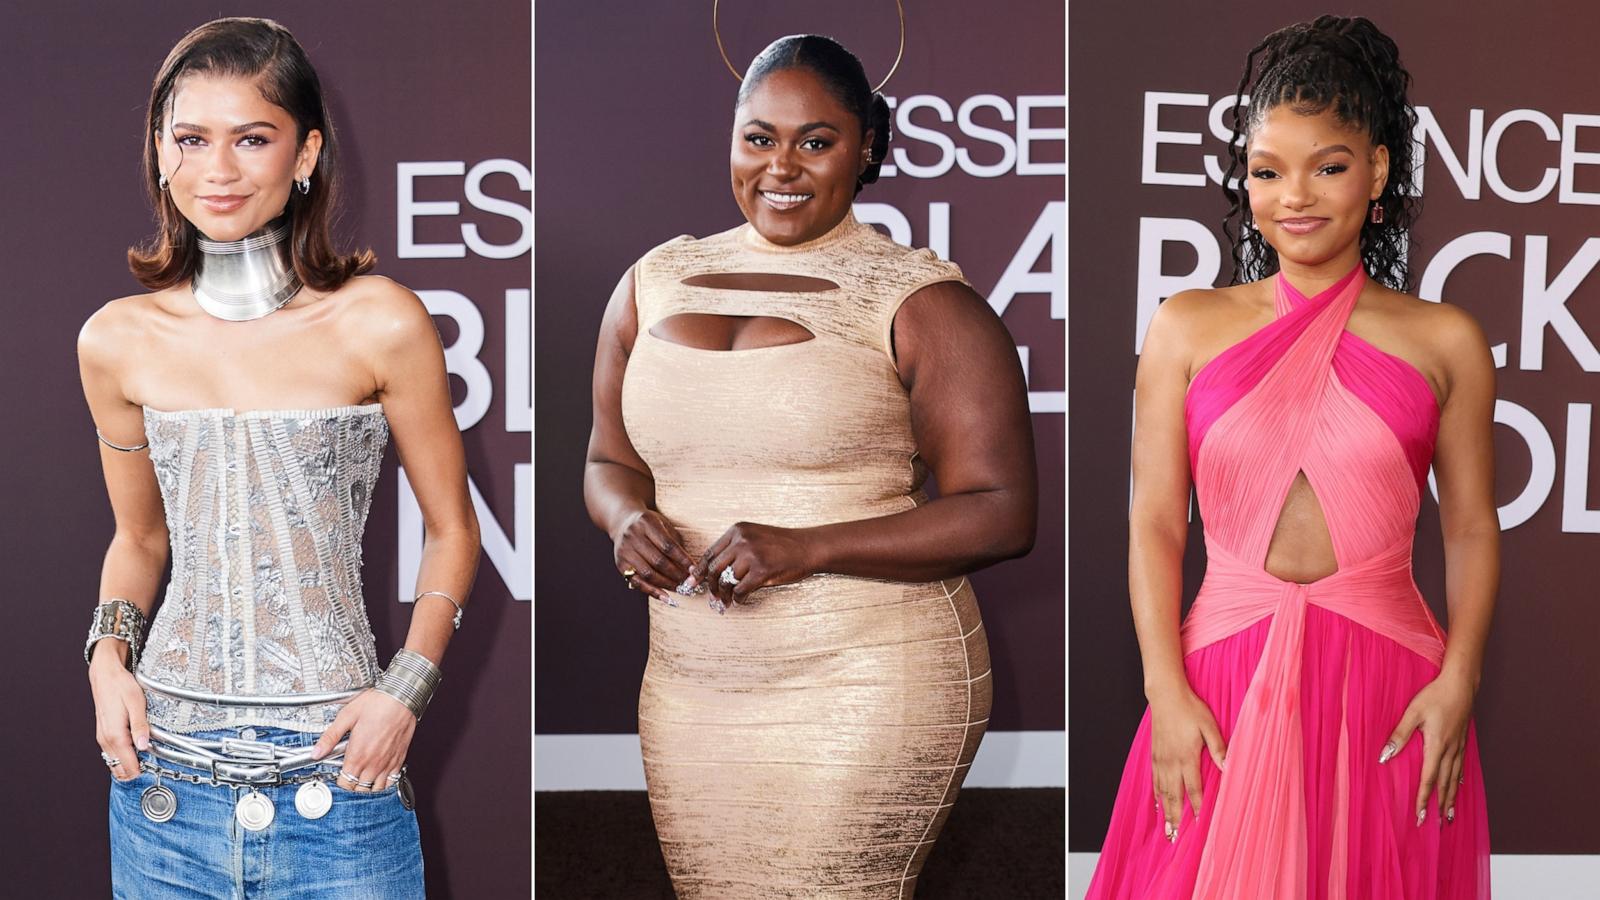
(266, 53)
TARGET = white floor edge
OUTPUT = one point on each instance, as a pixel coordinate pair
(610, 762)
(1511, 876)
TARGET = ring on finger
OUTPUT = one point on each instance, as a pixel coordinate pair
(727, 577)
(111, 761)
(364, 785)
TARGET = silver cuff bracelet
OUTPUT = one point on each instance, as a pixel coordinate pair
(411, 678)
(120, 619)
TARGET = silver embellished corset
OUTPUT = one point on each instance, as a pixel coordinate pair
(265, 510)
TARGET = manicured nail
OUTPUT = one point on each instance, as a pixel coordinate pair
(142, 742)
(1174, 834)
(1168, 827)
(1422, 814)
(1389, 750)
(1450, 814)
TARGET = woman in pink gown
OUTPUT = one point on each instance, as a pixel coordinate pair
(1309, 732)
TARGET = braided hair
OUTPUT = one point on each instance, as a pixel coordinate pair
(1350, 67)
(841, 73)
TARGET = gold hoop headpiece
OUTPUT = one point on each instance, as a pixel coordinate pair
(898, 7)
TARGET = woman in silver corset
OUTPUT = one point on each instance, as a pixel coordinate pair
(243, 405)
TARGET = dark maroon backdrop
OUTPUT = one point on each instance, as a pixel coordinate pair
(407, 82)
(1536, 711)
(634, 110)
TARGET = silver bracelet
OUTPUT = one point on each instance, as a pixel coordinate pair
(118, 619)
(411, 678)
(459, 610)
(119, 446)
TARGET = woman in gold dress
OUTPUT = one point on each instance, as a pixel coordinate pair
(768, 403)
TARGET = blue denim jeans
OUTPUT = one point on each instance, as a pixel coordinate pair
(365, 848)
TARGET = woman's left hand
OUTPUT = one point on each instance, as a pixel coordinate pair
(380, 729)
(1442, 710)
(760, 556)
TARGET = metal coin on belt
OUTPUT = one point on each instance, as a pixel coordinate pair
(158, 803)
(254, 811)
(313, 800)
(407, 795)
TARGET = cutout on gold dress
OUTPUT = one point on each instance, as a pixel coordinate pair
(704, 331)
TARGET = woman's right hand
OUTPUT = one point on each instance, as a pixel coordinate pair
(1181, 725)
(649, 545)
(119, 713)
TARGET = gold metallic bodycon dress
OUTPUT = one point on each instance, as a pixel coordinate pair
(809, 742)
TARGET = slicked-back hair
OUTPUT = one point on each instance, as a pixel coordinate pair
(842, 74)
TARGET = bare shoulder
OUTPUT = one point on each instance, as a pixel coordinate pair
(1193, 325)
(1444, 329)
(377, 309)
(119, 325)
(946, 320)
(951, 301)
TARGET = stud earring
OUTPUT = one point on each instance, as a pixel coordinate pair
(162, 183)
(1377, 213)
(304, 184)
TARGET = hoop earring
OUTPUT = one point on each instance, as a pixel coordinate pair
(162, 183)
(1377, 213)
(304, 184)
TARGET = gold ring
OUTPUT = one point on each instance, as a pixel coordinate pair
(898, 7)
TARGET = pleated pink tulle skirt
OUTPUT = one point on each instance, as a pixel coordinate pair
(1349, 673)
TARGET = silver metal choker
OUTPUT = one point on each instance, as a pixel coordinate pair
(248, 278)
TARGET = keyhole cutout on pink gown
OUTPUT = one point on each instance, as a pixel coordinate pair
(1301, 549)
(709, 331)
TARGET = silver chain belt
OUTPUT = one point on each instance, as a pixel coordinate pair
(244, 766)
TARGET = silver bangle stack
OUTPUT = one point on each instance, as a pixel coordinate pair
(118, 619)
(411, 678)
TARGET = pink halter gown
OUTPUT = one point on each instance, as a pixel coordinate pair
(1306, 681)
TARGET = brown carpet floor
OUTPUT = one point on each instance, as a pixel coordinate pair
(999, 844)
